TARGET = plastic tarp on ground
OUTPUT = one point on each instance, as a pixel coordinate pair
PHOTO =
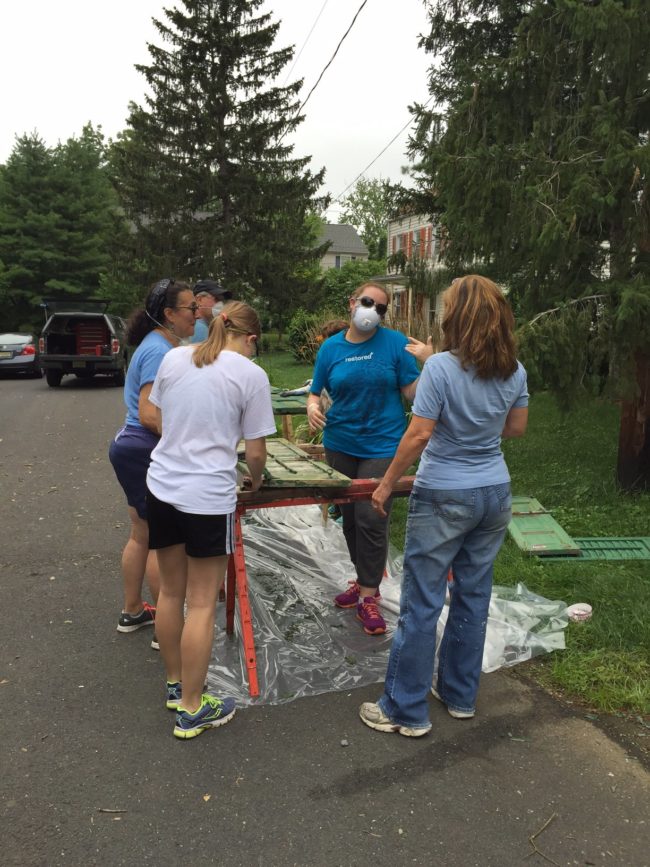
(296, 564)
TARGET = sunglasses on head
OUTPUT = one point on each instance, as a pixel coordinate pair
(157, 297)
(365, 301)
(161, 287)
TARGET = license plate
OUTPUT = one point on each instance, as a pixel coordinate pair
(78, 363)
(6, 354)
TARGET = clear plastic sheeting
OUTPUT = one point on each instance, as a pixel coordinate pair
(296, 563)
(521, 625)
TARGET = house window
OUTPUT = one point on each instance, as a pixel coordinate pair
(337, 261)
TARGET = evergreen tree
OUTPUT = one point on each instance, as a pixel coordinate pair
(28, 226)
(536, 160)
(203, 169)
(58, 223)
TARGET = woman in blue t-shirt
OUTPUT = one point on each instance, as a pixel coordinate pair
(167, 319)
(470, 396)
(366, 372)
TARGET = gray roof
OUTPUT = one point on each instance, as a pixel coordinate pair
(344, 239)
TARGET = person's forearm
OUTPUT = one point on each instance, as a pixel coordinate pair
(408, 451)
(256, 461)
(150, 417)
(409, 390)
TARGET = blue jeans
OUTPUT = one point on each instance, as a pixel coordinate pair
(462, 530)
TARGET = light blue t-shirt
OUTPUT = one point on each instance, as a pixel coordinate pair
(200, 331)
(465, 448)
(143, 368)
(366, 418)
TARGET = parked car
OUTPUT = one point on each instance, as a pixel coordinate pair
(19, 354)
(81, 338)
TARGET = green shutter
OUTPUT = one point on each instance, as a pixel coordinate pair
(612, 549)
(535, 531)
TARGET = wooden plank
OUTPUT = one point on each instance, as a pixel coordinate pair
(536, 532)
(292, 404)
(288, 466)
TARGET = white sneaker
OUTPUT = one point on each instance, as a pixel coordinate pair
(372, 715)
(457, 714)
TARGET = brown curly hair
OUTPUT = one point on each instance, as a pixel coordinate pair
(478, 327)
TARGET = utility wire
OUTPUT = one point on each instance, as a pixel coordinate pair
(327, 66)
(329, 62)
(304, 44)
(381, 152)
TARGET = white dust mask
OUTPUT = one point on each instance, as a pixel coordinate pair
(365, 318)
(217, 308)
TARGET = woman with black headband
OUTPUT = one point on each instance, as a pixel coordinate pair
(166, 321)
(366, 372)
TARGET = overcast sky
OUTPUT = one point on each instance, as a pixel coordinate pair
(66, 63)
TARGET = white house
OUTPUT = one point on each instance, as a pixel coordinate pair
(415, 236)
(345, 245)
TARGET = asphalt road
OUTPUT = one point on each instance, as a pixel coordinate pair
(91, 774)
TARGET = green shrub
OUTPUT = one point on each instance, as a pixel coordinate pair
(304, 333)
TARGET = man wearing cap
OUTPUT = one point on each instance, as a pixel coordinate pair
(210, 297)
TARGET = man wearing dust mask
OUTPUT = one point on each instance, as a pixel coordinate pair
(210, 297)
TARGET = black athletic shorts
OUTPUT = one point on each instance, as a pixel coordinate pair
(202, 535)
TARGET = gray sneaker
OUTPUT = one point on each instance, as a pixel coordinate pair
(374, 717)
(131, 622)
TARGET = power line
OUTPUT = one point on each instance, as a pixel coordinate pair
(381, 152)
(304, 44)
(326, 67)
(329, 62)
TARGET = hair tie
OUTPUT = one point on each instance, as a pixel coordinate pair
(226, 321)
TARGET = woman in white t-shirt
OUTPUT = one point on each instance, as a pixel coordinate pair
(209, 396)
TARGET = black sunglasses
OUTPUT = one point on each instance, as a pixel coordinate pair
(365, 301)
(193, 307)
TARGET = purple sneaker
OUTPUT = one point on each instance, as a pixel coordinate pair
(350, 598)
(368, 614)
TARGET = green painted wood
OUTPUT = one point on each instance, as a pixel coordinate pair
(287, 466)
(535, 531)
(295, 404)
(611, 549)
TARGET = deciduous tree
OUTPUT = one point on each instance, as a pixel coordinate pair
(367, 208)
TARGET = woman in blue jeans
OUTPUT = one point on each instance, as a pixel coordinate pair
(469, 396)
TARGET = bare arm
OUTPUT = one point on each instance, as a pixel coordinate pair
(412, 445)
(409, 390)
(256, 461)
(516, 423)
(149, 414)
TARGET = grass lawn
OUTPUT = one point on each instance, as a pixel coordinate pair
(568, 463)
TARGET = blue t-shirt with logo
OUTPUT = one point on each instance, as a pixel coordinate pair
(464, 450)
(367, 417)
(143, 368)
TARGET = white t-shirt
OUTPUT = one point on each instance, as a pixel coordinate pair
(206, 411)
